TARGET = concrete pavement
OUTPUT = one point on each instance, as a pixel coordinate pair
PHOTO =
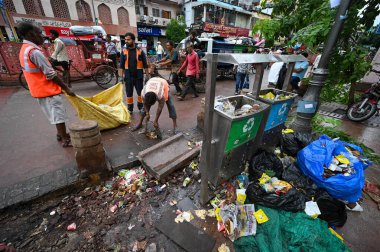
(33, 163)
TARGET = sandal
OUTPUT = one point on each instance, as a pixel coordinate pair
(67, 143)
(59, 138)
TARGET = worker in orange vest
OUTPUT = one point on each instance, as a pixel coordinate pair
(133, 62)
(43, 81)
(157, 89)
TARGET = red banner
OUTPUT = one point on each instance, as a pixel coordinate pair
(226, 31)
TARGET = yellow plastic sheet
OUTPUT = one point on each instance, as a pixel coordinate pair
(107, 107)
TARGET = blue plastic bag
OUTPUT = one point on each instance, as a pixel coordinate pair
(319, 154)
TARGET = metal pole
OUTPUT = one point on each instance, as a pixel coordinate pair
(212, 62)
(256, 87)
(307, 107)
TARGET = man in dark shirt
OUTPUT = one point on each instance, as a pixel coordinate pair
(172, 60)
(133, 62)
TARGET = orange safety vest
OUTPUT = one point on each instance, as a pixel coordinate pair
(140, 64)
(158, 86)
(39, 86)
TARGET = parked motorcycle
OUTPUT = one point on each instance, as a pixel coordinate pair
(368, 105)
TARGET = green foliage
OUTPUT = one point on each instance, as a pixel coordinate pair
(309, 22)
(328, 126)
(175, 30)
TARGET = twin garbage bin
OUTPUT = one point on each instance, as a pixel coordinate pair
(241, 124)
(281, 103)
(238, 120)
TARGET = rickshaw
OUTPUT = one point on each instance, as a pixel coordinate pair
(88, 58)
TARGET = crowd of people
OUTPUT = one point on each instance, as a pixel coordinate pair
(46, 86)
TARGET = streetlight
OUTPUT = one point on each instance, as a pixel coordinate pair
(308, 105)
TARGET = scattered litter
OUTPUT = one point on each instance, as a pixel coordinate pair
(223, 248)
(260, 216)
(52, 213)
(201, 214)
(184, 216)
(238, 221)
(113, 208)
(72, 227)
(130, 226)
(312, 209)
(186, 182)
(173, 202)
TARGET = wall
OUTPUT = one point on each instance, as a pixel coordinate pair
(115, 28)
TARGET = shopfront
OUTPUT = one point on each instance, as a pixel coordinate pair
(150, 35)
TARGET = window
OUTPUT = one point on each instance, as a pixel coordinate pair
(10, 6)
(84, 10)
(123, 16)
(33, 7)
(166, 14)
(105, 14)
(60, 9)
(156, 12)
(146, 11)
(137, 9)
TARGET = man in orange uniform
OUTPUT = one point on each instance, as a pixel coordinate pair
(42, 79)
(157, 89)
(133, 62)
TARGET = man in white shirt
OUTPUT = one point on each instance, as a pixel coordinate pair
(159, 50)
(274, 72)
(111, 51)
(59, 57)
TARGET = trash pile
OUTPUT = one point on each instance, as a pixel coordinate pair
(277, 96)
(294, 195)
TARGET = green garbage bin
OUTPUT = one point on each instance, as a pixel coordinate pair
(232, 131)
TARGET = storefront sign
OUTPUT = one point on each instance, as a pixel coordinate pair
(149, 31)
(63, 28)
(226, 31)
(43, 22)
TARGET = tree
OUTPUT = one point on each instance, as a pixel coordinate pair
(309, 22)
(176, 30)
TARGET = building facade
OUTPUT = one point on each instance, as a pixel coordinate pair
(152, 18)
(229, 18)
(117, 17)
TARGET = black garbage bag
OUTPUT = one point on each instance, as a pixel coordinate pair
(292, 201)
(266, 162)
(293, 175)
(291, 143)
(332, 211)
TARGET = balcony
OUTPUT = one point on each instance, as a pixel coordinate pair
(152, 21)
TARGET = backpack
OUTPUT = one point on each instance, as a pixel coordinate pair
(281, 77)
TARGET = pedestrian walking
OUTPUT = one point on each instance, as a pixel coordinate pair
(157, 89)
(172, 60)
(60, 57)
(133, 62)
(241, 74)
(43, 81)
(159, 50)
(111, 51)
(299, 71)
(191, 64)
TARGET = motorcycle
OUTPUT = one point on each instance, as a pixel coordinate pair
(368, 106)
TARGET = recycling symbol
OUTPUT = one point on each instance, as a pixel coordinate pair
(283, 109)
(249, 125)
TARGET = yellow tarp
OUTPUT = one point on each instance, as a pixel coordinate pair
(107, 107)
